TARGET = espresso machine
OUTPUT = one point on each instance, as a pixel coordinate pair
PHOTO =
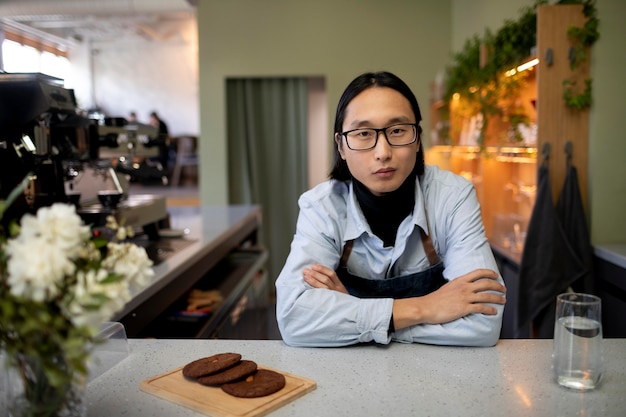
(58, 152)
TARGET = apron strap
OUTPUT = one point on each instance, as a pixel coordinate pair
(427, 242)
(343, 262)
(429, 249)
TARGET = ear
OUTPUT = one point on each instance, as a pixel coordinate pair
(339, 143)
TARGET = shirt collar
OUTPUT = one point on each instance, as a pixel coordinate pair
(419, 210)
(356, 224)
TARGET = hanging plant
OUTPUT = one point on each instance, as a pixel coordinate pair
(582, 39)
(507, 48)
(577, 101)
(483, 88)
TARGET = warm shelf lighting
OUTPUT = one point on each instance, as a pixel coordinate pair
(528, 65)
(523, 67)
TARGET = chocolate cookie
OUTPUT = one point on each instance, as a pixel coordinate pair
(240, 370)
(210, 364)
(261, 383)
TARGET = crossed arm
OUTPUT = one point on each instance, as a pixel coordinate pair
(467, 294)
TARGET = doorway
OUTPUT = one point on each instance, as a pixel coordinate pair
(277, 149)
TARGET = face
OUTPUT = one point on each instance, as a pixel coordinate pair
(384, 168)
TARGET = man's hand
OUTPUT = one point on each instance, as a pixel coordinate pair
(467, 294)
(318, 276)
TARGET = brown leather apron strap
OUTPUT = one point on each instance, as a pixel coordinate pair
(429, 248)
(343, 262)
(427, 242)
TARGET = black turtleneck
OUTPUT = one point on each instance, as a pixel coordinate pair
(385, 213)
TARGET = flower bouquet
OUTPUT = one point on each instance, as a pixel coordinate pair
(58, 284)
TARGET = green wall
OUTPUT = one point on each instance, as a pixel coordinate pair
(473, 17)
(340, 39)
(334, 39)
(607, 136)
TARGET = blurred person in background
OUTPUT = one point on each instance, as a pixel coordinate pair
(162, 141)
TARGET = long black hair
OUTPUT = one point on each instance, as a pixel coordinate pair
(364, 81)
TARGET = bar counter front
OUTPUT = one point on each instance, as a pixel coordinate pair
(513, 378)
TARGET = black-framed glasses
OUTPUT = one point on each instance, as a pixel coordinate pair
(363, 139)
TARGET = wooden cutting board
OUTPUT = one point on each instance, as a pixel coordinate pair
(212, 401)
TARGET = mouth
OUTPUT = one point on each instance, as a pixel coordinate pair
(385, 172)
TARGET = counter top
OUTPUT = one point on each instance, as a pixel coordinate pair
(511, 379)
(614, 253)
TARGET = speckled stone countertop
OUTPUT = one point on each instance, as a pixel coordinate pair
(511, 379)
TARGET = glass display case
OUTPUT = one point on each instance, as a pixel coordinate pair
(505, 179)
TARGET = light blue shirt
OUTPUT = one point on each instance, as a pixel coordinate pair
(330, 216)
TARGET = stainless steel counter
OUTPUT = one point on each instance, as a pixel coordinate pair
(511, 379)
(614, 253)
(212, 232)
(610, 279)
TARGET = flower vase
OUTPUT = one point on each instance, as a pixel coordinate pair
(31, 392)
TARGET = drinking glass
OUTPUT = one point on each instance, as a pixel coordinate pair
(578, 355)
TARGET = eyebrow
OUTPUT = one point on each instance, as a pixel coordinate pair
(366, 123)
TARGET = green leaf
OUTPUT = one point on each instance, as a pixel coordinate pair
(15, 193)
(113, 278)
(100, 242)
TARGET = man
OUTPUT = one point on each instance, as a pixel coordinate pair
(388, 249)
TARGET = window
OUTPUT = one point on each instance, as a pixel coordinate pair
(29, 56)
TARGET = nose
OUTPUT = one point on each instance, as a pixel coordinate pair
(382, 150)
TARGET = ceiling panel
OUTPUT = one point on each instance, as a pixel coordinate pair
(11, 8)
(76, 21)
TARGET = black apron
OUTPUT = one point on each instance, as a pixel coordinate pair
(412, 285)
(549, 264)
(571, 213)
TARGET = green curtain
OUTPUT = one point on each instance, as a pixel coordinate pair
(267, 155)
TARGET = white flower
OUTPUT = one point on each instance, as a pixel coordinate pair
(89, 252)
(54, 258)
(129, 260)
(78, 301)
(125, 259)
(36, 269)
(58, 225)
(88, 292)
(55, 269)
(44, 252)
(121, 232)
